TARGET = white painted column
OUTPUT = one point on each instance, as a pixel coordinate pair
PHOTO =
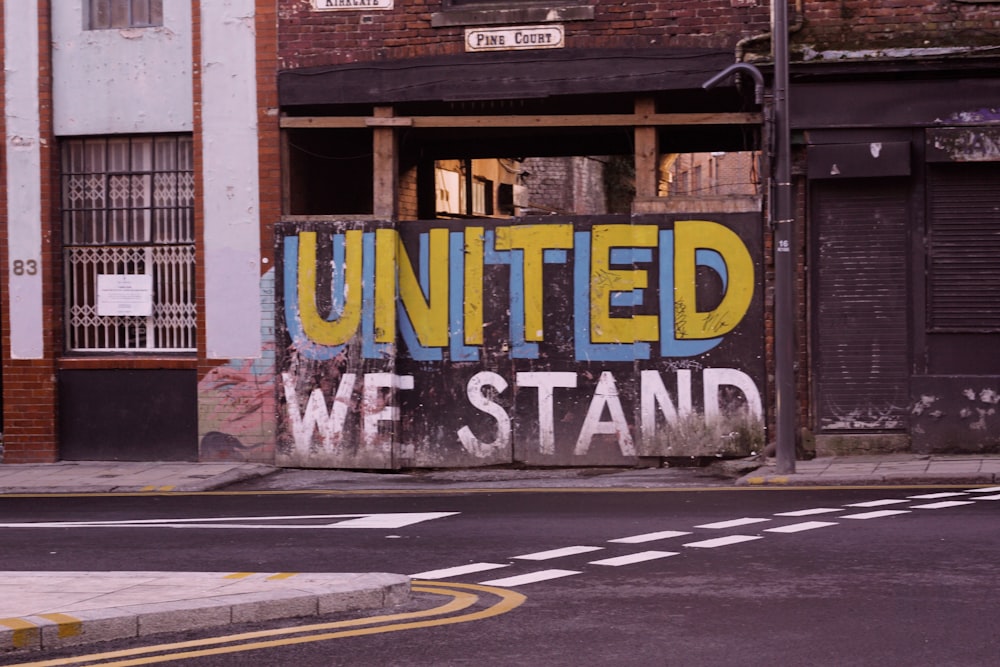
(24, 179)
(231, 183)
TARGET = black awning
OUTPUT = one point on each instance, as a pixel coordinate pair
(501, 75)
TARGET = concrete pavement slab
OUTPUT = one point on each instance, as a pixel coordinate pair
(43, 610)
(125, 476)
(897, 469)
(167, 477)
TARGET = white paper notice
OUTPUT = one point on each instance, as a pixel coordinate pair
(125, 294)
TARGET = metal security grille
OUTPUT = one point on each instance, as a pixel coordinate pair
(860, 304)
(128, 209)
(963, 248)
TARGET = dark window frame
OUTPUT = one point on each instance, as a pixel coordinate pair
(117, 14)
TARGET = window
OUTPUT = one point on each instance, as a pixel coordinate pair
(128, 210)
(104, 14)
(482, 196)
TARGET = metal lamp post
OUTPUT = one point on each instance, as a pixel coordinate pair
(783, 226)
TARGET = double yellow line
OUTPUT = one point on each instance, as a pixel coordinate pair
(461, 598)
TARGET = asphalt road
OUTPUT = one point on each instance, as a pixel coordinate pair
(674, 577)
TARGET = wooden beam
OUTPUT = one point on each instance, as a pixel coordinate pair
(575, 120)
(646, 151)
(386, 168)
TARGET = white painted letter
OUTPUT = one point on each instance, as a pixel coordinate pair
(653, 393)
(546, 382)
(713, 378)
(605, 394)
(474, 390)
(330, 424)
(374, 408)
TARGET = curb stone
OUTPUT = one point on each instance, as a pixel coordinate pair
(310, 598)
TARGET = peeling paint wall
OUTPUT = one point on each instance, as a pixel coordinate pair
(955, 414)
(121, 80)
(236, 401)
(551, 341)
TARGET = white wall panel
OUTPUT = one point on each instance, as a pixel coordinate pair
(114, 81)
(23, 153)
(231, 182)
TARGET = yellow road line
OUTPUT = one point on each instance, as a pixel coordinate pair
(391, 623)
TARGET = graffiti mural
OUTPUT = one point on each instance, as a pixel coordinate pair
(548, 341)
(236, 401)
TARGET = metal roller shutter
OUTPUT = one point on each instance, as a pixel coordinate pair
(860, 304)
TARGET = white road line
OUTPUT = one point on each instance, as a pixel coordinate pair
(942, 505)
(992, 489)
(558, 553)
(522, 579)
(877, 503)
(932, 496)
(388, 520)
(640, 557)
(996, 497)
(732, 523)
(723, 541)
(458, 570)
(650, 537)
(878, 514)
(815, 510)
(799, 527)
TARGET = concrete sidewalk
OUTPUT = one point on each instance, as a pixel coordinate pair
(47, 610)
(897, 469)
(178, 477)
(124, 476)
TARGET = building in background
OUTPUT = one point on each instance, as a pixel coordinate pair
(137, 287)
(316, 233)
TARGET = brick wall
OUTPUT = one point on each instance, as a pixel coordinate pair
(861, 24)
(310, 38)
(563, 185)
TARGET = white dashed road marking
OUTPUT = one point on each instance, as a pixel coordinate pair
(650, 537)
(723, 541)
(732, 523)
(459, 570)
(799, 527)
(523, 579)
(557, 553)
(877, 503)
(640, 557)
(875, 515)
(942, 505)
(644, 556)
(815, 510)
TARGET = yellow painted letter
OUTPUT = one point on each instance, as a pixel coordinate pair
(605, 281)
(342, 329)
(689, 237)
